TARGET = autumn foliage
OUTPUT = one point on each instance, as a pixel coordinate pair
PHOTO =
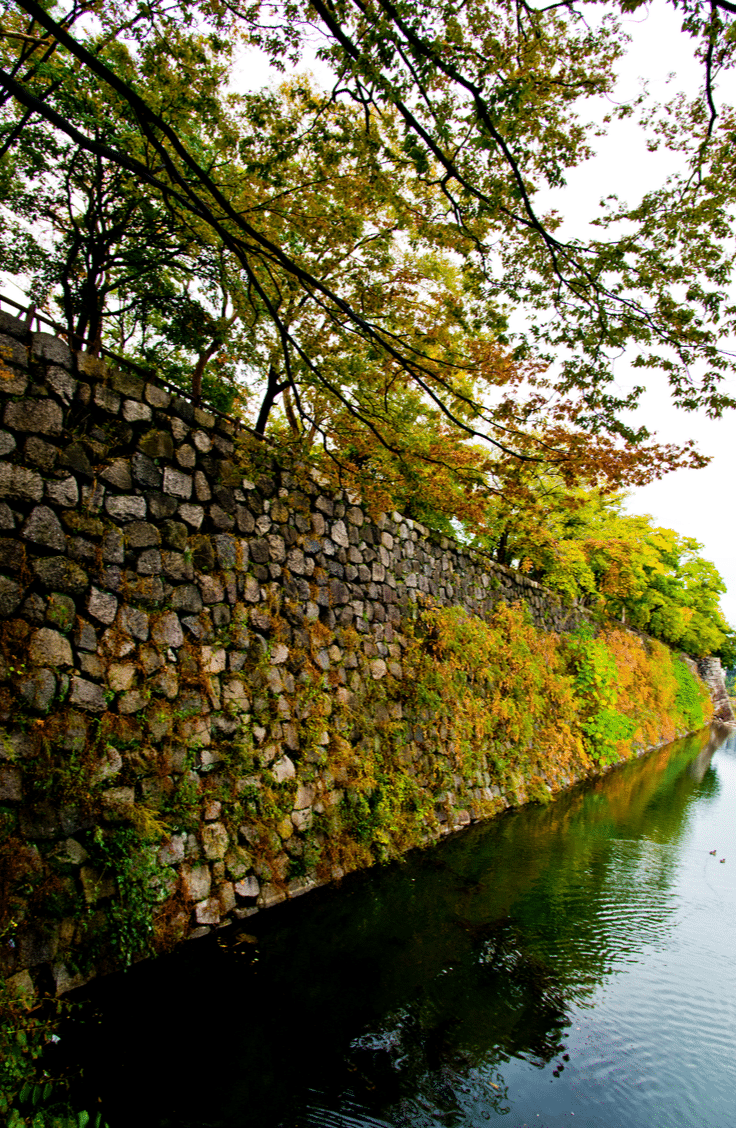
(546, 707)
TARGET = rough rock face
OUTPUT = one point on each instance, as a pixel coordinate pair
(186, 644)
(711, 672)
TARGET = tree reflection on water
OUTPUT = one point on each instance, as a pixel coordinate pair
(400, 997)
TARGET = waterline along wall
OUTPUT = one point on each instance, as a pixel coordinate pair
(221, 685)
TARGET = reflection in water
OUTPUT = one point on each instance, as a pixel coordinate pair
(567, 960)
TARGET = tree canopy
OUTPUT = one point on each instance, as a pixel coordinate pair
(582, 544)
(345, 260)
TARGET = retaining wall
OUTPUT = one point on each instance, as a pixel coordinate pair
(177, 626)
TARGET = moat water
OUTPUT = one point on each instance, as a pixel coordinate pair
(567, 965)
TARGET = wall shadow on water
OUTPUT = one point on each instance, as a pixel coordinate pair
(398, 998)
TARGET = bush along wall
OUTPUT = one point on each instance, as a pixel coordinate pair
(221, 687)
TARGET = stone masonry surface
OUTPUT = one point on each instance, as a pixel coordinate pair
(144, 571)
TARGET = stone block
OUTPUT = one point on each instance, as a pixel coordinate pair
(226, 896)
(283, 769)
(166, 682)
(203, 553)
(212, 589)
(12, 554)
(134, 622)
(132, 702)
(135, 412)
(157, 397)
(271, 895)
(113, 547)
(201, 487)
(176, 567)
(226, 547)
(302, 820)
(87, 695)
(19, 483)
(192, 514)
(34, 609)
(118, 474)
(126, 507)
(259, 551)
(37, 943)
(40, 453)
(279, 654)
(127, 384)
(252, 590)
(75, 458)
(15, 353)
(43, 528)
(91, 666)
(172, 851)
(142, 534)
(215, 841)
(221, 519)
(237, 862)
(59, 574)
(175, 535)
(157, 444)
(146, 472)
(96, 885)
(11, 595)
(202, 442)
(208, 912)
(12, 382)
(60, 382)
(305, 795)
(196, 882)
(63, 492)
(48, 347)
(177, 484)
(85, 637)
(244, 519)
(92, 497)
(248, 887)
(214, 659)
(121, 676)
(166, 631)
(160, 506)
(276, 549)
(49, 648)
(187, 598)
(186, 457)
(15, 326)
(107, 399)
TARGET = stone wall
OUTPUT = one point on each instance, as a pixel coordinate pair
(712, 673)
(178, 622)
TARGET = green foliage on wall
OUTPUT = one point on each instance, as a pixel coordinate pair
(596, 689)
(689, 698)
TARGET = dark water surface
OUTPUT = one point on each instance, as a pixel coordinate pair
(574, 964)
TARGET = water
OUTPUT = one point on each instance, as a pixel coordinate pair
(567, 965)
